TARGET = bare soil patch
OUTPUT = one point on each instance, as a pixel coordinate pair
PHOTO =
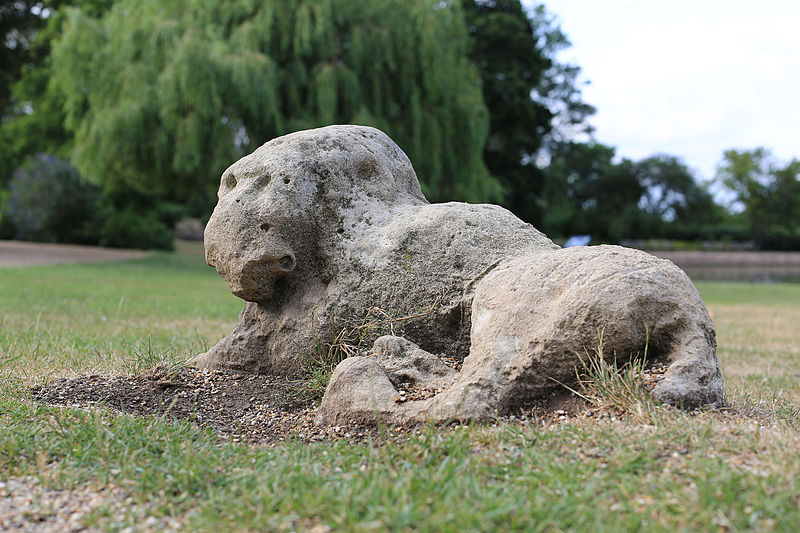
(246, 408)
(16, 253)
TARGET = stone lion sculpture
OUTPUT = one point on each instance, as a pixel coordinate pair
(316, 229)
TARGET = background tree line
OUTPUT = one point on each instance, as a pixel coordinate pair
(118, 117)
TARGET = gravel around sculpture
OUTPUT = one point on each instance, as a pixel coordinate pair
(318, 229)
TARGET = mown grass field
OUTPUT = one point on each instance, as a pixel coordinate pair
(732, 470)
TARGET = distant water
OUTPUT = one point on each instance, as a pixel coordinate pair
(750, 267)
(764, 274)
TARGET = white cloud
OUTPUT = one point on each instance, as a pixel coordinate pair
(689, 78)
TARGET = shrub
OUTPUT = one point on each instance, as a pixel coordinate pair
(781, 239)
(49, 202)
(132, 227)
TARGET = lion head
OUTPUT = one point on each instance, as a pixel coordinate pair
(297, 193)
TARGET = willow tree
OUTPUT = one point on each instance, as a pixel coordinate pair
(163, 95)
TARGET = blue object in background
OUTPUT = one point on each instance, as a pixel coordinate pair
(578, 240)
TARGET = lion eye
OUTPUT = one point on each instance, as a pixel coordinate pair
(230, 181)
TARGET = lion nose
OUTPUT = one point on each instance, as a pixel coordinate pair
(277, 252)
(287, 263)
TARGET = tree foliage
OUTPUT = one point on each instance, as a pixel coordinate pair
(163, 95)
(533, 99)
(768, 191)
(32, 111)
(588, 193)
(656, 197)
(673, 193)
(19, 21)
(153, 99)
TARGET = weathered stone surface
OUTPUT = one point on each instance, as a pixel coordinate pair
(359, 391)
(406, 363)
(317, 228)
(535, 316)
(532, 317)
(320, 226)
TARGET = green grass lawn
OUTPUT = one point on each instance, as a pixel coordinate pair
(737, 469)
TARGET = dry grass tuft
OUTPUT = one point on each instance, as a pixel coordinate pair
(619, 389)
(344, 342)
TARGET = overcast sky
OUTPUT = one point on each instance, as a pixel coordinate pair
(688, 77)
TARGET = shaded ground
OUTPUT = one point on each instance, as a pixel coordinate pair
(16, 253)
(245, 408)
